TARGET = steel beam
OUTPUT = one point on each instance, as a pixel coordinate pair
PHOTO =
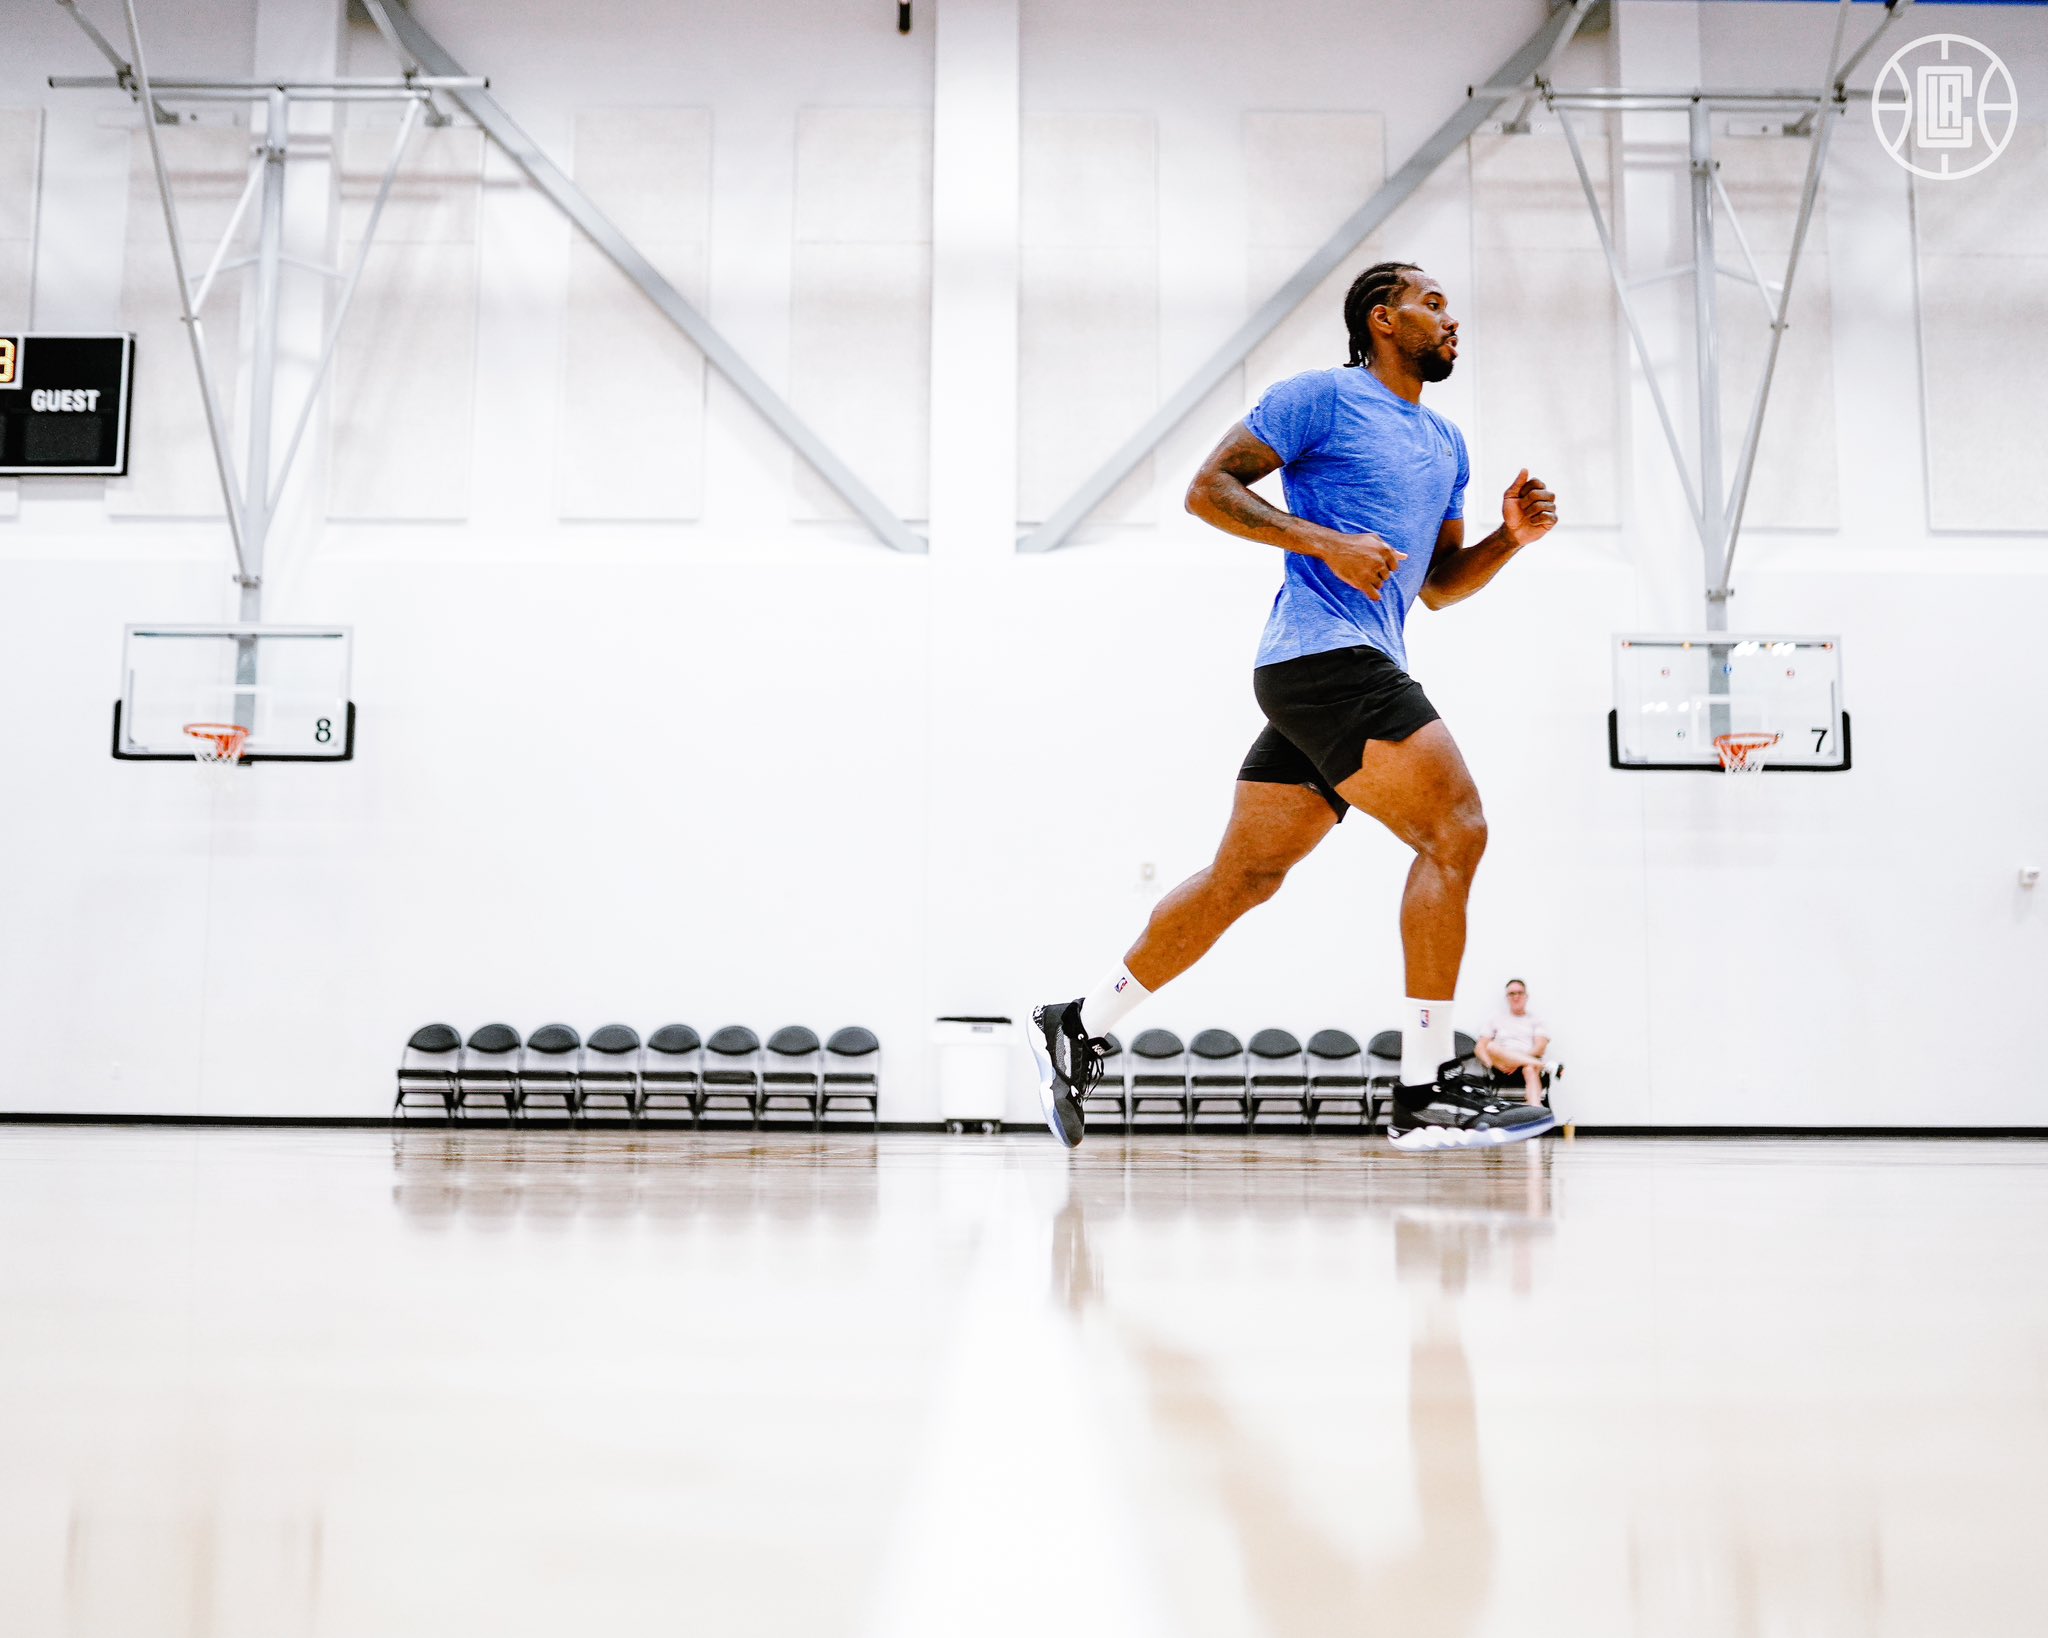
(573, 203)
(1764, 287)
(216, 428)
(220, 264)
(125, 77)
(263, 362)
(1707, 356)
(251, 496)
(1893, 11)
(1511, 80)
(436, 114)
(397, 91)
(343, 300)
(1816, 160)
(1729, 96)
(1718, 514)
(242, 89)
(1628, 314)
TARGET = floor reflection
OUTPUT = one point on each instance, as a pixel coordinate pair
(440, 1175)
(1308, 1573)
(285, 1384)
(200, 1572)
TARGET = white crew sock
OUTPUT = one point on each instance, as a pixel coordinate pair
(1110, 1001)
(1426, 1041)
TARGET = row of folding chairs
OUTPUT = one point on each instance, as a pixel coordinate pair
(731, 1075)
(1216, 1078)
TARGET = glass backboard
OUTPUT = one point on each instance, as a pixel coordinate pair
(288, 685)
(1674, 694)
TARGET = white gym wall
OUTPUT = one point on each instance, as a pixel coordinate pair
(678, 740)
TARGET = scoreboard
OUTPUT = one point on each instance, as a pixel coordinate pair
(64, 404)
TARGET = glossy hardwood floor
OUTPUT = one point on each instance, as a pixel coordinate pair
(279, 1384)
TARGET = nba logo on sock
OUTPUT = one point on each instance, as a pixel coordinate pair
(1422, 1018)
(1120, 983)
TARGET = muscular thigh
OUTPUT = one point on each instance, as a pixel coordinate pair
(1273, 827)
(1414, 786)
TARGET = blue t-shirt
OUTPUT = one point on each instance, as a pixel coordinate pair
(1361, 459)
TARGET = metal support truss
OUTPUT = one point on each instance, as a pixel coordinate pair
(135, 79)
(250, 493)
(1513, 79)
(399, 25)
(428, 75)
(1717, 509)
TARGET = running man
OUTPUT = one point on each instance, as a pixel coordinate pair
(1376, 487)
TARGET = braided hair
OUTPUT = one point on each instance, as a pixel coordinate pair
(1375, 287)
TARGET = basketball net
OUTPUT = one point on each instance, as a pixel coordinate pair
(217, 744)
(1744, 753)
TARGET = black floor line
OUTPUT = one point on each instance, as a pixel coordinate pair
(851, 1128)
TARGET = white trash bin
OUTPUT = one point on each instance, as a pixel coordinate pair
(974, 1070)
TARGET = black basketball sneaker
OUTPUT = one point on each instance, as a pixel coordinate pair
(1454, 1113)
(1069, 1065)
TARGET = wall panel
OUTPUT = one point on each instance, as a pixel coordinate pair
(1306, 173)
(1983, 255)
(171, 469)
(1544, 341)
(632, 397)
(404, 371)
(1796, 484)
(860, 322)
(1087, 305)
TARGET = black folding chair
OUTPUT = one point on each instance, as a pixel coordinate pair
(610, 1074)
(426, 1071)
(672, 1072)
(1216, 1075)
(547, 1069)
(1337, 1079)
(792, 1073)
(1277, 1075)
(1159, 1075)
(489, 1069)
(853, 1072)
(732, 1073)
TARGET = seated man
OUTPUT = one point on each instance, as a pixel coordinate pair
(1514, 1044)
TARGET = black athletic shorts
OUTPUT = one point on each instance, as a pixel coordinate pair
(1320, 711)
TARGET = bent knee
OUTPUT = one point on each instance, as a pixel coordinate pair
(1248, 884)
(1459, 839)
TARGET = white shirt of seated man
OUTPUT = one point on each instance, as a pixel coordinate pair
(1516, 1040)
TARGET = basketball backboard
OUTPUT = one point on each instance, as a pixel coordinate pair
(1674, 694)
(288, 685)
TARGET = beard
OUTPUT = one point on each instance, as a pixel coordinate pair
(1435, 365)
